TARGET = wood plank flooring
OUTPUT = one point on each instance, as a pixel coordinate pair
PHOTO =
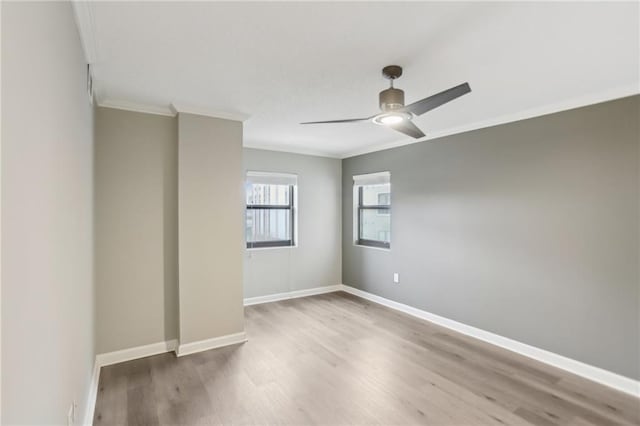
(336, 359)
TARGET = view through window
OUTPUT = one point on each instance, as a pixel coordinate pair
(270, 213)
(373, 216)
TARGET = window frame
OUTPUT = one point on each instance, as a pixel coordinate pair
(290, 207)
(360, 207)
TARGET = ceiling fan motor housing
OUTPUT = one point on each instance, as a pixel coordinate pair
(391, 99)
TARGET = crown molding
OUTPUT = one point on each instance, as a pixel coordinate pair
(135, 107)
(178, 108)
(290, 150)
(174, 109)
(582, 101)
(85, 23)
(171, 110)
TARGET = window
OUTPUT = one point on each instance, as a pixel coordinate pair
(271, 212)
(372, 195)
(384, 198)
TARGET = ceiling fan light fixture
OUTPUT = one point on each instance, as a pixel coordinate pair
(391, 118)
(395, 114)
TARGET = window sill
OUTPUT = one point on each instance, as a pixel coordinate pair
(271, 248)
(371, 247)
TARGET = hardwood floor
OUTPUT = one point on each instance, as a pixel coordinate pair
(337, 359)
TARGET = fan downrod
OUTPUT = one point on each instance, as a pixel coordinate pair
(392, 72)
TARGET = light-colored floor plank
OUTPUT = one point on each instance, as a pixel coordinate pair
(336, 359)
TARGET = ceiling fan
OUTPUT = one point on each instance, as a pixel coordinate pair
(394, 112)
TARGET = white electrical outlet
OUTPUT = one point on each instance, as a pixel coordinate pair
(396, 277)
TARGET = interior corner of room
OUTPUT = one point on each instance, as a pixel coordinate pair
(486, 272)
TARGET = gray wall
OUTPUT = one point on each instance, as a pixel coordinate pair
(528, 230)
(47, 197)
(210, 225)
(316, 261)
(136, 229)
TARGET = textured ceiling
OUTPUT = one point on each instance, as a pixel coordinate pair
(282, 63)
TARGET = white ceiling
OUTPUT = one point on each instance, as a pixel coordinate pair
(282, 63)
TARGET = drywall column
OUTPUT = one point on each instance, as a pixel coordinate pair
(136, 229)
(210, 212)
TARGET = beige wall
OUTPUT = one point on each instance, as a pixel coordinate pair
(316, 261)
(210, 187)
(47, 197)
(136, 224)
(136, 229)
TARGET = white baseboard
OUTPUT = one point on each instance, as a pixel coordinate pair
(124, 355)
(291, 294)
(92, 396)
(579, 368)
(135, 353)
(216, 342)
(116, 357)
